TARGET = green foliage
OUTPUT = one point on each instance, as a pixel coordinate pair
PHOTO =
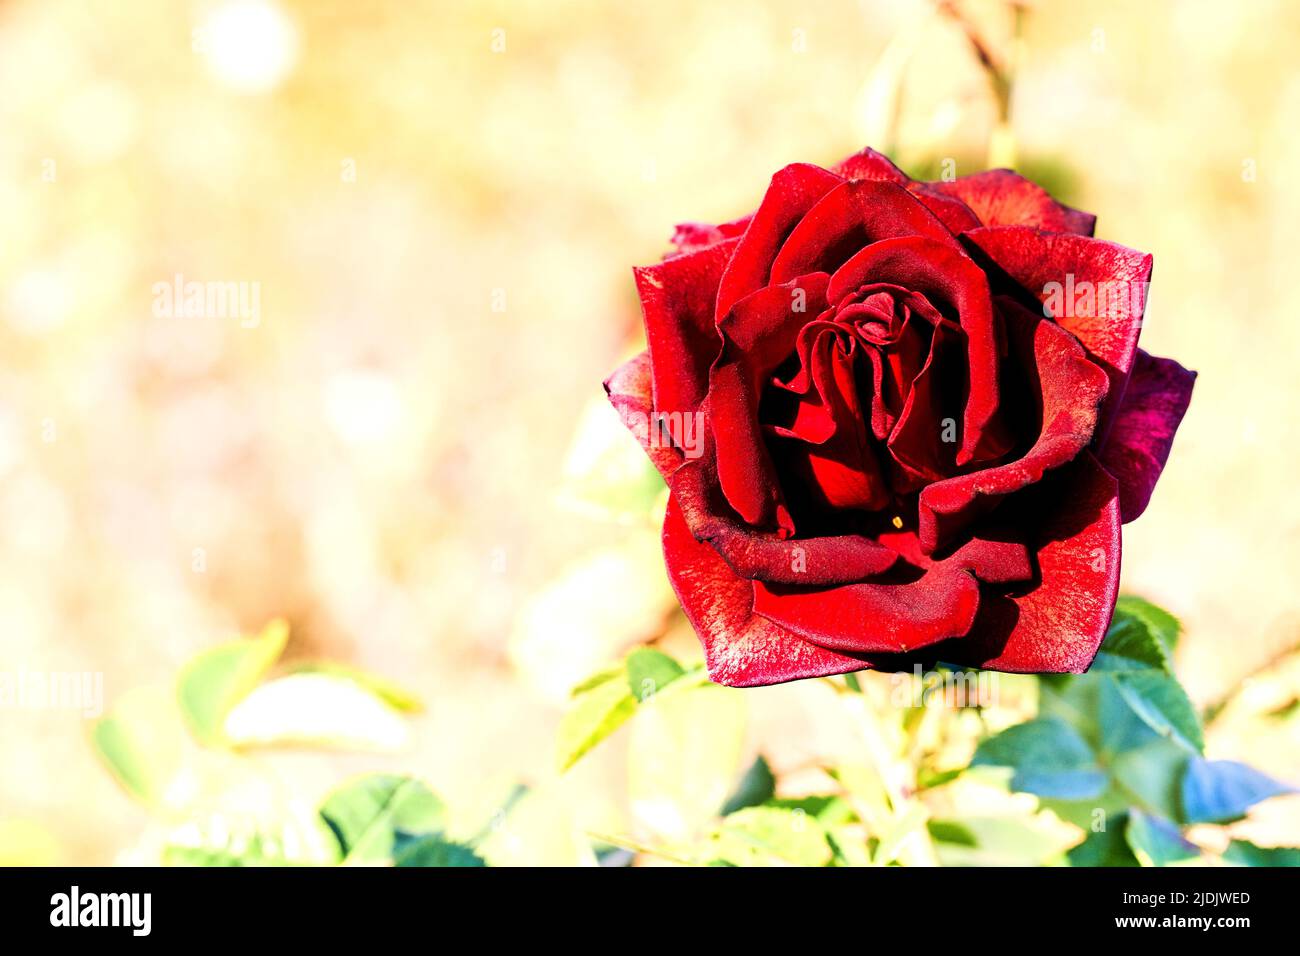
(758, 785)
(1049, 757)
(371, 815)
(606, 700)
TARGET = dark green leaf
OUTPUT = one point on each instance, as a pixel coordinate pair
(1049, 757)
(1163, 625)
(1220, 791)
(756, 786)
(1107, 847)
(1245, 853)
(1133, 641)
(369, 815)
(434, 851)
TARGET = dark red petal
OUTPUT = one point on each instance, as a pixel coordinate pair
(677, 297)
(943, 274)
(1050, 265)
(758, 333)
(1071, 390)
(1155, 401)
(875, 618)
(868, 164)
(1057, 626)
(850, 216)
(1001, 197)
(753, 554)
(629, 391)
(694, 236)
(792, 192)
(741, 649)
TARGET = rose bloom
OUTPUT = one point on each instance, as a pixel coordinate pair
(901, 422)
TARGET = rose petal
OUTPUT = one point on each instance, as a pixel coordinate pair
(793, 191)
(1057, 626)
(677, 298)
(945, 276)
(1070, 389)
(1050, 265)
(741, 648)
(758, 333)
(694, 236)
(868, 164)
(875, 618)
(1000, 197)
(849, 217)
(1159, 391)
(753, 554)
(629, 391)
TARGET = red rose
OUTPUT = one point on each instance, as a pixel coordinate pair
(901, 422)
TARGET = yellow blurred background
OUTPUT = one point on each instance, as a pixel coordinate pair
(434, 207)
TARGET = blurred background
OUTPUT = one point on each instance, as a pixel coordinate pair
(430, 210)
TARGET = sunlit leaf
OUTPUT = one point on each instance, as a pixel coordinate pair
(212, 683)
(595, 715)
(683, 753)
(316, 709)
(393, 694)
(650, 671)
(766, 836)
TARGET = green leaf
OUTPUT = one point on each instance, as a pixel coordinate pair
(1245, 853)
(257, 850)
(649, 671)
(996, 841)
(1157, 842)
(1159, 622)
(1136, 640)
(434, 851)
(396, 696)
(603, 676)
(1220, 791)
(830, 810)
(756, 786)
(1149, 777)
(141, 743)
(211, 684)
(1049, 757)
(1106, 848)
(1163, 704)
(758, 836)
(595, 715)
(370, 814)
(318, 710)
